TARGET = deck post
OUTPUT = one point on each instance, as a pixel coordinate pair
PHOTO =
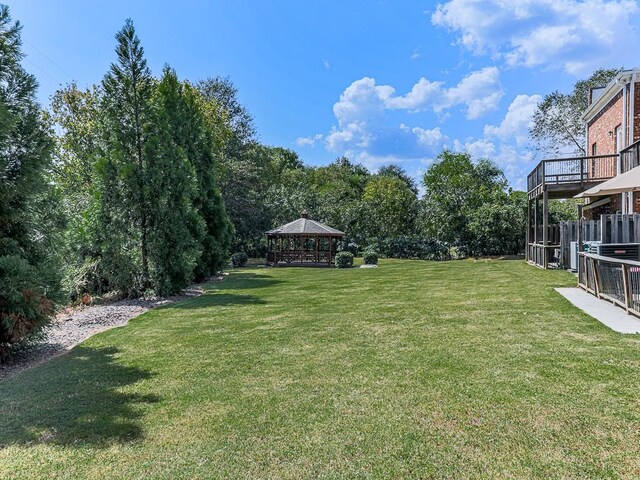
(545, 227)
(527, 238)
(535, 221)
(579, 228)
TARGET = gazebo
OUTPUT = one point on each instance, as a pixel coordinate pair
(302, 243)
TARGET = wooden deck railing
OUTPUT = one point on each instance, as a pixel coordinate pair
(612, 279)
(559, 171)
(541, 255)
(630, 157)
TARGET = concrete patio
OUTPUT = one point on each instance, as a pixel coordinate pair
(605, 312)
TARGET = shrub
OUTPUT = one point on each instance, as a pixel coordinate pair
(416, 248)
(349, 245)
(24, 309)
(239, 259)
(344, 260)
(370, 258)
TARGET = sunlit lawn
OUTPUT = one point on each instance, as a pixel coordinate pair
(413, 370)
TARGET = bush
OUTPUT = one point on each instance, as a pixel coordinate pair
(349, 245)
(239, 259)
(370, 258)
(24, 309)
(344, 260)
(416, 248)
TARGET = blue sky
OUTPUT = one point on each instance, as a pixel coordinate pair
(379, 81)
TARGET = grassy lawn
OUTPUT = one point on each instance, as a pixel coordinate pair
(412, 370)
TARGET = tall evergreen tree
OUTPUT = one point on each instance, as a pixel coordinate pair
(28, 278)
(125, 195)
(175, 228)
(204, 137)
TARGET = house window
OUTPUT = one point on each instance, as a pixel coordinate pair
(594, 151)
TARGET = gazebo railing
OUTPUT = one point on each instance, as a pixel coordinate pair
(300, 256)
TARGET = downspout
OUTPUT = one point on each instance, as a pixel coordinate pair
(632, 121)
(625, 113)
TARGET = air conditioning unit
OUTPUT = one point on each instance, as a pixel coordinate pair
(591, 246)
(588, 247)
(573, 255)
(626, 251)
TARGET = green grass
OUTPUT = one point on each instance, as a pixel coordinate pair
(466, 369)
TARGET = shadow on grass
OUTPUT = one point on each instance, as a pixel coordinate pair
(212, 299)
(74, 400)
(244, 280)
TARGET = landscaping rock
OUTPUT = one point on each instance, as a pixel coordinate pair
(75, 324)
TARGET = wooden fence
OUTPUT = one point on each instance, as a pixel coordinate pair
(613, 228)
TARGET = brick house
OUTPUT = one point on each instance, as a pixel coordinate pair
(612, 122)
(612, 128)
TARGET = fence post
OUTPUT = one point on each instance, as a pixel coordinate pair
(625, 283)
(596, 277)
(545, 226)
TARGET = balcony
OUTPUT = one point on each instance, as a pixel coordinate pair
(566, 177)
(630, 157)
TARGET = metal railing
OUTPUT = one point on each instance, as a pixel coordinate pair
(560, 171)
(630, 157)
(613, 279)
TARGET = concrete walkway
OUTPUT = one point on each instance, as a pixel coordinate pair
(605, 312)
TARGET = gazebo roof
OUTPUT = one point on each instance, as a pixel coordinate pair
(305, 226)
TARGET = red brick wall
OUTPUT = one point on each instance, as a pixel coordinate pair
(614, 206)
(603, 123)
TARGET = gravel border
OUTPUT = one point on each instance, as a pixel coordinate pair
(76, 324)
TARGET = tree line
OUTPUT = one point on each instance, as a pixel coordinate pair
(142, 184)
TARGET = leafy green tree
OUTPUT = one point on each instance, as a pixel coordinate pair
(455, 188)
(28, 262)
(222, 92)
(398, 172)
(499, 226)
(340, 187)
(390, 205)
(557, 122)
(75, 116)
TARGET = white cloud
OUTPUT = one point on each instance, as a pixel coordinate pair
(577, 36)
(309, 141)
(428, 137)
(517, 121)
(355, 134)
(364, 100)
(326, 63)
(480, 91)
(421, 95)
(363, 103)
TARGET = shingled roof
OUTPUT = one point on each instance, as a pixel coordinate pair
(305, 226)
